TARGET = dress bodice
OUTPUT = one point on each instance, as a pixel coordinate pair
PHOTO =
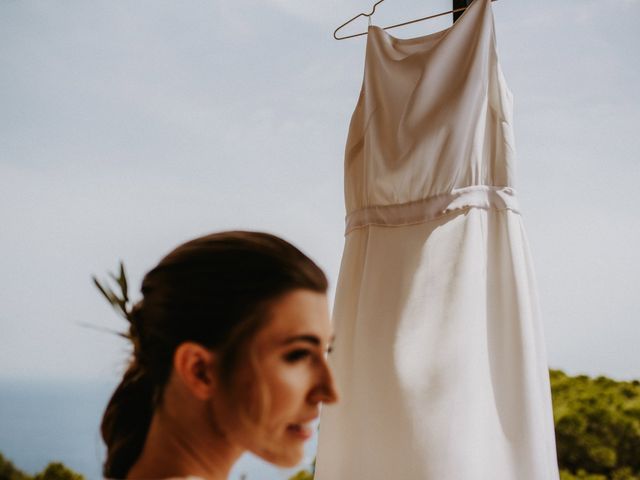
(434, 116)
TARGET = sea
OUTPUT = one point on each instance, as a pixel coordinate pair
(47, 421)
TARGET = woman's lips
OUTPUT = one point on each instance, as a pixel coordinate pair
(300, 430)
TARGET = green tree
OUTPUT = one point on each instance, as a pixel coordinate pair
(53, 471)
(597, 423)
(57, 471)
(9, 472)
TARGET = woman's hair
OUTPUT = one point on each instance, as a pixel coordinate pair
(215, 290)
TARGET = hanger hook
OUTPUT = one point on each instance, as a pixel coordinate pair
(373, 10)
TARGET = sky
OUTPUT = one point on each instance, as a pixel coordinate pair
(127, 128)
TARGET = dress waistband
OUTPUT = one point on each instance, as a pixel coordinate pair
(474, 196)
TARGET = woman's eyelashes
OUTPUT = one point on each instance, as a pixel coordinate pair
(296, 355)
(299, 354)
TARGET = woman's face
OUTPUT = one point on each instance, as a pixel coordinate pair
(290, 351)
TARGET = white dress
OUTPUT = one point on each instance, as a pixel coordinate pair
(439, 352)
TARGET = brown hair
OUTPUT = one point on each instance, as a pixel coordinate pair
(214, 290)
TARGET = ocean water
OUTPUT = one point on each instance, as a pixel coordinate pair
(59, 421)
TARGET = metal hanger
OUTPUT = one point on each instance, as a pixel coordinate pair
(391, 26)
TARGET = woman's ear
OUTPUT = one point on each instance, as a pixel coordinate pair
(195, 365)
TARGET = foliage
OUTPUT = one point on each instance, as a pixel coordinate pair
(581, 475)
(597, 424)
(302, 475)
(53, 471)
(9, 472)
(57, 471)
(620, 474)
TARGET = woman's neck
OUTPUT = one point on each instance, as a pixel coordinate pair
(185, 446)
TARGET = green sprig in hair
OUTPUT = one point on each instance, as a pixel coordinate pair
(121, 303)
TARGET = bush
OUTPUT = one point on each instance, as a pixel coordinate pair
(597, 424)
(9, 472)
(53, 471)
(57, 471)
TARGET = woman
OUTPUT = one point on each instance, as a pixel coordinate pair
(229, 356)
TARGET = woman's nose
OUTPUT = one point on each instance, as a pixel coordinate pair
(326, 390)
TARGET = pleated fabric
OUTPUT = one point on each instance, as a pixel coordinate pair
(439, 352)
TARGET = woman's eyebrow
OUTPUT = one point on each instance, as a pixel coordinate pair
(303, 338)
(313, 339)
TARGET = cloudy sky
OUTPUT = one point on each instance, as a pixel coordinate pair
(129, 127)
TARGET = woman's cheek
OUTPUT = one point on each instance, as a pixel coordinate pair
(292, 382)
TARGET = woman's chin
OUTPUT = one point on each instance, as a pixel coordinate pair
(289, 462)
(291, 456)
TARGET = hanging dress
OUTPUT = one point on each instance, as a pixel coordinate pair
(439, 353)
